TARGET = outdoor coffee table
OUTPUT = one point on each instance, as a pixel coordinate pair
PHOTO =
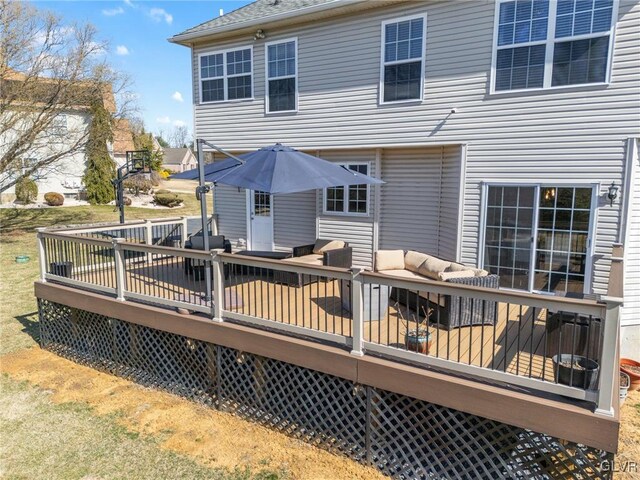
(245, 270)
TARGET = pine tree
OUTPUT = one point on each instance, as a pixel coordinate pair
(101, 168)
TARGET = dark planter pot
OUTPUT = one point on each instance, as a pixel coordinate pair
(585, 374)
(566, 334)
(419, 342)
(62, 269)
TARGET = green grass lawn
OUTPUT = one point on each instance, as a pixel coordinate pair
(18, 309)
(42, 439)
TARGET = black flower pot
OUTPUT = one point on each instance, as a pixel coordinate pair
(585, 371)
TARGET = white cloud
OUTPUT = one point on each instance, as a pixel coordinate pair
(177, 96)
(110, 12)
(122, 50)
(163, 120)
(129, 3)
(179, 123)
(160, 14)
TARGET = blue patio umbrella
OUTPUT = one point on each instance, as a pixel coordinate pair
(211, 171)
(280, 169)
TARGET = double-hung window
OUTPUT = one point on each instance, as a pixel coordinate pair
(282, 82)
(348, 200)
(59, 126)
(544, 43)
(403, 46)
(226, 75)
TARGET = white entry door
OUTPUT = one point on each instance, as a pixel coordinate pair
(260, 221)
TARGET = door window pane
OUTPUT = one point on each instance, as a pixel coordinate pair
(261, 204)
(508, 235)
(562, 243)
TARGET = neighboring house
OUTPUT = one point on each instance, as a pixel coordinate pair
(179, 159)
(122, 140)
(498, 127)
(67, 132)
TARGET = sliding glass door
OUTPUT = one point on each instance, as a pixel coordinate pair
(538, 237)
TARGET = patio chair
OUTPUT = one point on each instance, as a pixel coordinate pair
(196, 242)
(328, 253)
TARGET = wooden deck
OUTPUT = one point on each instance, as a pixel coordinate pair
(514, 344)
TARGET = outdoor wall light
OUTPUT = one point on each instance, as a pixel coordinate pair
(259, 35)
(613, 193)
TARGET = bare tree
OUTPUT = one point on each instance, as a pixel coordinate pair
(178, 137)
(49, 69)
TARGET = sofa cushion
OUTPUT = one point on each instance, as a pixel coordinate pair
(457, 267)
(324, 245)
(402, 273)
(444, 276)
(312, 259)
(432, 266)
(389, 260)
(479, 272)
(413, 260)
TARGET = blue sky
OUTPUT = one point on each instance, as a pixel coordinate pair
(138, 32)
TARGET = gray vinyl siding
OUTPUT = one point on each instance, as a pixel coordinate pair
(420, 200)
(294, 219)
(231, 208)
(356, 230)
(449, 236)
(570, 135)
(630, 312)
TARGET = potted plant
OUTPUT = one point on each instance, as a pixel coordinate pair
(418, 338)
(575, 370)
(631, 368)
(625, 381)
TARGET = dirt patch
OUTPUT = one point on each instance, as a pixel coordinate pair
(628, 457)
(213, 438)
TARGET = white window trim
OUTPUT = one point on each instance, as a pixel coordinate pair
(383, 63)
(550, 42)
(225, 77)
(267, 78)
(345, 212)
(589, 267)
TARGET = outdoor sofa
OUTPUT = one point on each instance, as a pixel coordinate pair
(448, 311)
(328, 253)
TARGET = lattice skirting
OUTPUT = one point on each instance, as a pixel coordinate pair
(401, 436)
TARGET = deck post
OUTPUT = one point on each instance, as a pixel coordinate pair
(118, 254)
(218, 284)
(148, 238)
(609, 361)
(42, 254)
(357, 311)
(183, 237)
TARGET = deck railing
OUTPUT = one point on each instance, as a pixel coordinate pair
(489, 334)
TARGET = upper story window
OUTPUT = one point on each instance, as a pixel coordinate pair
(282, 81)
(543, 43)
(403, 59)
(58, 126)
(348, 200)
(226, 75)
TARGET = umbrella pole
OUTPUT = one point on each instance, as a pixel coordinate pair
(201, 193)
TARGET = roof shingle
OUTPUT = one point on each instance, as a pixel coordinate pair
(254, 11)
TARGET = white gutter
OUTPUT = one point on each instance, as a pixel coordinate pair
(186, 37)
